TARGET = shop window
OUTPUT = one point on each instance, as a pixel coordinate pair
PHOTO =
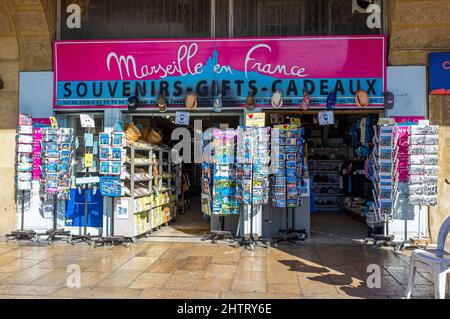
(298, 17)
(109, 19)
(115, 19)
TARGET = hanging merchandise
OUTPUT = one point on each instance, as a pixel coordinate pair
(361, 98)
(24, 151)
(383, 164)
(423, 160)
(217, 105)
(277, 99)
(306, 102)
(288, 160)
(331, 101)
(162, 103)
(250, 101)
(191, 101)
(389, 100)
(253, 157)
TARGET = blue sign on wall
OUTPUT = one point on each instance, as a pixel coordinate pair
(440, 73)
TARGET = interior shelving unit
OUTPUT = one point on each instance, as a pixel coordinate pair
(150, 192)
(328, 168)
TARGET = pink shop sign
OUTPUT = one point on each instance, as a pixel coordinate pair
(105, 73)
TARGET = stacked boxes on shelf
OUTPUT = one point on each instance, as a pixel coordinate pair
(423, 160)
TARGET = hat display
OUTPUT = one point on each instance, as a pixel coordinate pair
(361, 98)
(162, 103)
(277, 99)
(217, 105)
(191, 101)
(389, 100)
(306, 101)
(250, 101)
(133, 103)
(331, 101)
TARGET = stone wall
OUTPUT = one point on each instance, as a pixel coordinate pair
(416, 28)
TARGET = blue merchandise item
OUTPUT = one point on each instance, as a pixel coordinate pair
(74, 215)
(331, 101)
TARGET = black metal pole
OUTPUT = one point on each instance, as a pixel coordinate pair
(55, 212)
(251, 205)
(22, 222)
(85, 208)
(112, 217)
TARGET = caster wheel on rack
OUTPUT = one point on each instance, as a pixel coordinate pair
(49, 241)
(134, 240)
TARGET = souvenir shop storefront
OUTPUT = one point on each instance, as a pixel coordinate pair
(273, 137)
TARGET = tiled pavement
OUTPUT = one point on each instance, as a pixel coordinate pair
(203, 270)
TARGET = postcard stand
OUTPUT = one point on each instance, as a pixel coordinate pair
(55, 233)
(289, 234)
(22, 234)
(280, 143)
(111, 240)
(24, 143)
(85, 237)
(385, 180)
(219, 234)
(251, 240)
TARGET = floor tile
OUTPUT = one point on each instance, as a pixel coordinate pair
(164, 265)
(27, 290)
(150, 280)
(252, 264)
(283, 288)
(177, 294)
(120, 279)
(220, 271)
(138, 263)
(213, 284)
(25, 277)
(183, 281)
(194, 263)
(97, 293)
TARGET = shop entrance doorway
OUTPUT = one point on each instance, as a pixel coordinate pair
(341, 193)
(190, 223)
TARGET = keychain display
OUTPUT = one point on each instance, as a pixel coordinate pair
(288, 161)
(253, 157)
(424, 160)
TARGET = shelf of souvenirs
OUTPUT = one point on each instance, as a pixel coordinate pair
(145, 146)
(142, 191)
